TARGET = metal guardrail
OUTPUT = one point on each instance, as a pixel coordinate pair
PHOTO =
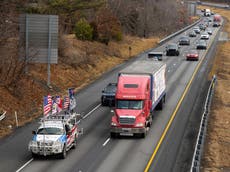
(178, 32)
(3, 116)
(195, 167)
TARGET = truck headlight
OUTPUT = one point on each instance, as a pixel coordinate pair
(139, 124)
(113, 124)
(33, 143)
(57, 144)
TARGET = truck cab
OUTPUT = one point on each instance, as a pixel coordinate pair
(132, 105)
(55, 136)
(140, 89)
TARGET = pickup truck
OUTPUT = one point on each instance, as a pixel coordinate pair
(55, 136)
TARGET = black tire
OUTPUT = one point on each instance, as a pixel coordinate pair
(178, 53)
(113, 135)
(34, 155)
(160, 105)
(75, 142)
(63, 154)
(143, 135)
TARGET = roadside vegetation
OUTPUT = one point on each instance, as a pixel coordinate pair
(216, 156)
(94, 36)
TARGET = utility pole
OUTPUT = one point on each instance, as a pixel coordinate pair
(145, 19)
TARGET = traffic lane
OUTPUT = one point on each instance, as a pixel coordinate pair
(121, 159)
(167, 159)
(131, 165)
(86, 100)
(185, 153)
(87, 122)
(166, 156)
(89, 146)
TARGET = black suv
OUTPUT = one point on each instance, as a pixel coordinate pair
(108, 95)
(172, 50)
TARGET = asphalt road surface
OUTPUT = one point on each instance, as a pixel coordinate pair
(96, 151)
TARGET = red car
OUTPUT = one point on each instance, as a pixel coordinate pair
(192, 55)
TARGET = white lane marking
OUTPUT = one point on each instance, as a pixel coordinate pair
(106, 142)
(25, 165)
(91, 111)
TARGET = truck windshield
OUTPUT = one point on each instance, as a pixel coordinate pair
(129, 104)
(50, 131)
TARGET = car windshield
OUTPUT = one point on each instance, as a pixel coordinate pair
(192, 52)
(50, 131)
(110, 88)
(129, 104)
(202, 42)
(172, 46)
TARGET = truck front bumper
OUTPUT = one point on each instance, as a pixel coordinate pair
(127, 131)
(45, 150)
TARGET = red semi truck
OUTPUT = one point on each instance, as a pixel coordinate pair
(140, 89)
(217, 18)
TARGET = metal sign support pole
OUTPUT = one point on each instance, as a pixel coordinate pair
(49, 51)
(27, 38)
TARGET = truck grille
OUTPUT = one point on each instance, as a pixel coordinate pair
(127, 120)
(42, 144)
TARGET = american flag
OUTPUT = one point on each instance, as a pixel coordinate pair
(59, 103)
(66, 102)
(71, 93)
(47, 102)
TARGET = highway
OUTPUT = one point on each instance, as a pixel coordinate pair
(96, 151)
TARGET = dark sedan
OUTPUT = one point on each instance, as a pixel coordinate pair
(184, 40)
(201, 44)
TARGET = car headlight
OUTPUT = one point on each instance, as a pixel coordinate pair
(139, 124)
(57, 143)
(113, 124)
(33, 143)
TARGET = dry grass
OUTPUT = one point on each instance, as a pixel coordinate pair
(217, 149)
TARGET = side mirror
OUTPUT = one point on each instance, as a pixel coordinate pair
(112, 111)
(80, 131)
(33, 132)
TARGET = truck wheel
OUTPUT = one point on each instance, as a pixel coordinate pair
(34, 155)
(63, 154)
(113, 135)
(75, 142)
(160, 105)
(143, 135)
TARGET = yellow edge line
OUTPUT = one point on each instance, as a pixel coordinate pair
(176, 109)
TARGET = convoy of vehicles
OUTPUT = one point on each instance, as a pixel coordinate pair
(108, 95)
(140, 89)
